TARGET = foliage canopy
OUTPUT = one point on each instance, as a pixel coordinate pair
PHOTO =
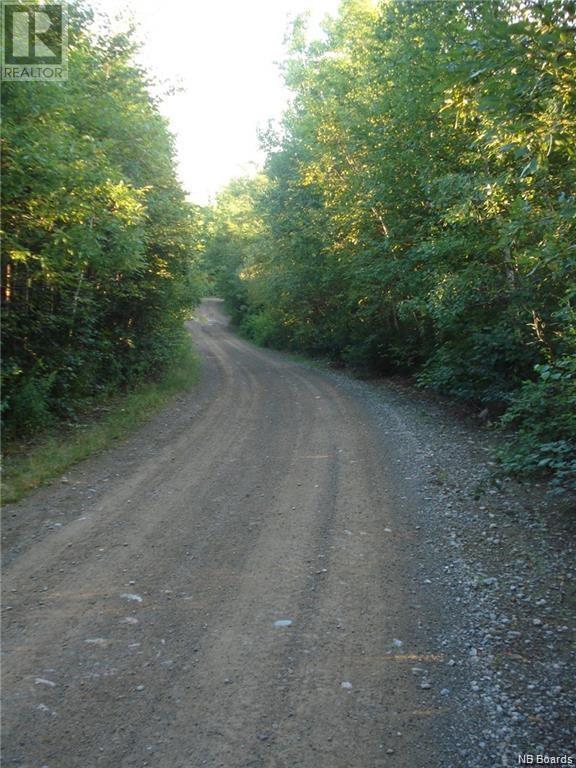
(100, 264)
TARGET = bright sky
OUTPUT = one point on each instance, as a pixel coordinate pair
(223, 54)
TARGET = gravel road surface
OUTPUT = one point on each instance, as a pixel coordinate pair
(238, 585)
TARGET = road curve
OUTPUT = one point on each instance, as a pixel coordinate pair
(233, 586)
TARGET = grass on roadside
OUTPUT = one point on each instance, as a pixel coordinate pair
(26, 466)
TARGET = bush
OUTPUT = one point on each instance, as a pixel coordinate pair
(30, 405)
(543, 414)
(260, 328)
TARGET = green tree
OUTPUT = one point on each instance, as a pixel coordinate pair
(99, 266)
(419, 208)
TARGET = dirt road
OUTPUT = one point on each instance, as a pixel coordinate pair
(234, 586)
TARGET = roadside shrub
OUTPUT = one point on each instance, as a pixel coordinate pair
(543, 414)
(30, 404)
(260, 328)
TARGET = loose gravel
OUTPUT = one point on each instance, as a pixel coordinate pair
(501, 556)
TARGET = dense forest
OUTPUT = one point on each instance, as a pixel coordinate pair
(100, 262)
(416, 212)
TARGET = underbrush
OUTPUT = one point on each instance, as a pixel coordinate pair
(30, 464)
(542, 416)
